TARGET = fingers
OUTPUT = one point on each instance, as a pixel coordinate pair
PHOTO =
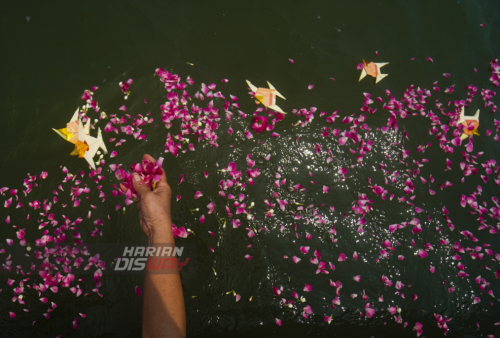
(163, 176)
(149, 158)
(123, 188)
(163, 188)
(139, 186)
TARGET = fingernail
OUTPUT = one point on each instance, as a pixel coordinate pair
(137, 178)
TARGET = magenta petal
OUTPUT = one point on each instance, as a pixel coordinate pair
(138, 291)
(253, 173)
(462, 273)
(311, 86)
(422, 253)
(304, 249)
(308, 310)
(276, 291)
(159, 162)
(456, 141)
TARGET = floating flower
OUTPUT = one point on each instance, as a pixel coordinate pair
(259, 124)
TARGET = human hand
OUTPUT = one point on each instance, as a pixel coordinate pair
(153, 206)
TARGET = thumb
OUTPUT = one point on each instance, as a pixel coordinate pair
(139, 186)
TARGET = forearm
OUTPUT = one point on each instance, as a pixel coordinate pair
(163, 310)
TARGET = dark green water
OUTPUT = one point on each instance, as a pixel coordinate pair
(64, 48)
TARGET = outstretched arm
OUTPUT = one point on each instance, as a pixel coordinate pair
(163, 309)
